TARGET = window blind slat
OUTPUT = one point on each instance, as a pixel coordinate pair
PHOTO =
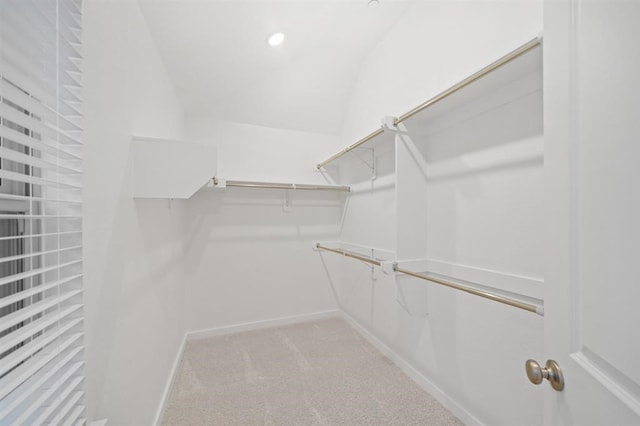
(35, 409)
(70, 59)
(57, 404)
(71, 149)
(35, 344)
(32, 310)
(70, 107)
(16, 25)
(26, 140)
(62, 412)
(30, 160)
(14, 379)
(21, 65)
(16, 297)
(44, 396)
(72, 11)
(74, 416)
(61, 134)
(20, 118)
(36, 254)
(4, 196)
(74, 77)
(21, 98)
(36, 144)
(68, 134)
(36, 326)
(35, 272)
(69, 119)
(36, 15)
(70, 114)
(22, 237)
(19, 177)
(27, 391)
(38, 216)
(68, 33)
(15, 75)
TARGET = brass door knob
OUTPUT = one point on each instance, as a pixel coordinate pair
(551, 372)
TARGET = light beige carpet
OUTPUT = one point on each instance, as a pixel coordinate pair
(314, 373)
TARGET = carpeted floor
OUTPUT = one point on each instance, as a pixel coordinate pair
(314, 373)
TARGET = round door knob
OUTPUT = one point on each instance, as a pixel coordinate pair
(551, 372)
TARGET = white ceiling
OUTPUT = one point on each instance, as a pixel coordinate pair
(220, 64)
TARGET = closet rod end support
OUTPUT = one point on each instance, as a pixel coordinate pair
(388, 267)
(389, 124)
(219, 183)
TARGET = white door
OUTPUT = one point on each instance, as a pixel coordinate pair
(592, 165)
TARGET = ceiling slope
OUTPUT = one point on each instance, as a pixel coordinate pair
(218, 59)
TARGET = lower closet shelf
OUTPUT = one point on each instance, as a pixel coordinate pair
(537, 309)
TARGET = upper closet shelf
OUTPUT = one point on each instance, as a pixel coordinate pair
(170, 169)
(518, 71)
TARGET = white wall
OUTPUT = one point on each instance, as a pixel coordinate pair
(244, 259)
(434, 45)
(248, 260)
(471, 204)
(134, 276)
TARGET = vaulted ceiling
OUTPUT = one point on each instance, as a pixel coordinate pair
(217, 56)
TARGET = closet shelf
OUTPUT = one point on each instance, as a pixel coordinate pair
(223, 183)
(393, 266)
(171, 169)
(515, 65)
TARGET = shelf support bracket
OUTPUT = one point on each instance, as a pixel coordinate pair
(372, 164)
(286, 202)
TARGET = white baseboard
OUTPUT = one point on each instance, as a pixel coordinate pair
(460, 412)
(169, 384)
(257, 325)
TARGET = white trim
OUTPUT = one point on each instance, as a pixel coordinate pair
(167, 387)
(458, 410)
(257, 325)
(593, 366)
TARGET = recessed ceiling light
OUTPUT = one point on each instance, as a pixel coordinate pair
(373, 3)
(275, 39)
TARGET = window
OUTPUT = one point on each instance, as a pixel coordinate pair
(41, 316)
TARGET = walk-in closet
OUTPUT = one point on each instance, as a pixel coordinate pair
(347, 212)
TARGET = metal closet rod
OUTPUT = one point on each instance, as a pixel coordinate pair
(531, 44)
(485, 294)
(275, 185)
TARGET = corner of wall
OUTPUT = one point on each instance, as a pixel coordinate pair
(134, 250)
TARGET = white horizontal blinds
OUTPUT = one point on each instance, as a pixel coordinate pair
(41, 314)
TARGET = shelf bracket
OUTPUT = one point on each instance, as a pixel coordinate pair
(370, 165)
(286, 202)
